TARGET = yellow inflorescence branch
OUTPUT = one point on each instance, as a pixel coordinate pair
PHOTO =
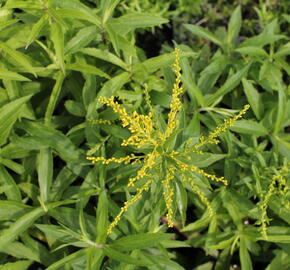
(126, 160)
(200, 194)
(211, 138)
(141, 126)
(191, 168)
(175, 104)
(149, 162)
(128, 203)
(168, 194)
(279, 187)
(100, 121)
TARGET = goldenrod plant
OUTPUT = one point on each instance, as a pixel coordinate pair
(162, 160)
(117, 153)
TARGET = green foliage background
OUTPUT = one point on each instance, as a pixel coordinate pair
(57, 57)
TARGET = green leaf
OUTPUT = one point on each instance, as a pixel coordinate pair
(190, 84)
(249, 127)
(113, 85)
(19, 169)
(224, 260)
(36, 29)
(121, 257)
(104, 55)
(203, 33)
(181, 198)
(281, 261)
(84, 37)
(31, 191)
(275, 206)
(89, 90)
(78, 14)
(261, 40)
(102, 217)
(73, 257)
(199, 224)
(20, 251)
(232, 208)
(57, 37)
(205, 159)
(220, 241)
(212, 72)
(4, 24)
(129, 22)
(149, 66)
(23, 265)
(252, 51)
(18, 57)
(282, 100)
(8, 116)
(140, 241)
(68, 216)
(253, 97)
(162, 262)
(45, 171)
(174, 244)
(9, 75)
(11, 210)
(23, 4)
(19, 226)
(278, 238)
(75, 108)
(53, 98)
(87, 69)
(228, 86)
(107, 8)
(235, 24)
(50, 137)
(283, 51)
(245, 258)
(11, 151)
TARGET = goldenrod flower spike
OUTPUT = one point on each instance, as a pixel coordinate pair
(168, 193)
(145, 134)
(148, 164)
(100, 121)
(175, 104)
(191, 168)
(200, 194)
(211, 138)
(127, 204)
(126, 160)
(277, 186)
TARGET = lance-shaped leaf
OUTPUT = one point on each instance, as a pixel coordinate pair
(17, 56)
(8, 116)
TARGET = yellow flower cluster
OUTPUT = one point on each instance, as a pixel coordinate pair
(185, 167)
(136, 197)
(149, 162)
(175, 104)
(200, 194)
(168, 193)
(100, 121)
(278, 186)
(126, 160)
(160, 160)
(211, 138)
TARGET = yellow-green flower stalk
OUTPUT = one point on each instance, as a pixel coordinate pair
(278, 186)
(145, 134)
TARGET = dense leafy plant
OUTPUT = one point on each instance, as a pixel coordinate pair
(61, 61)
